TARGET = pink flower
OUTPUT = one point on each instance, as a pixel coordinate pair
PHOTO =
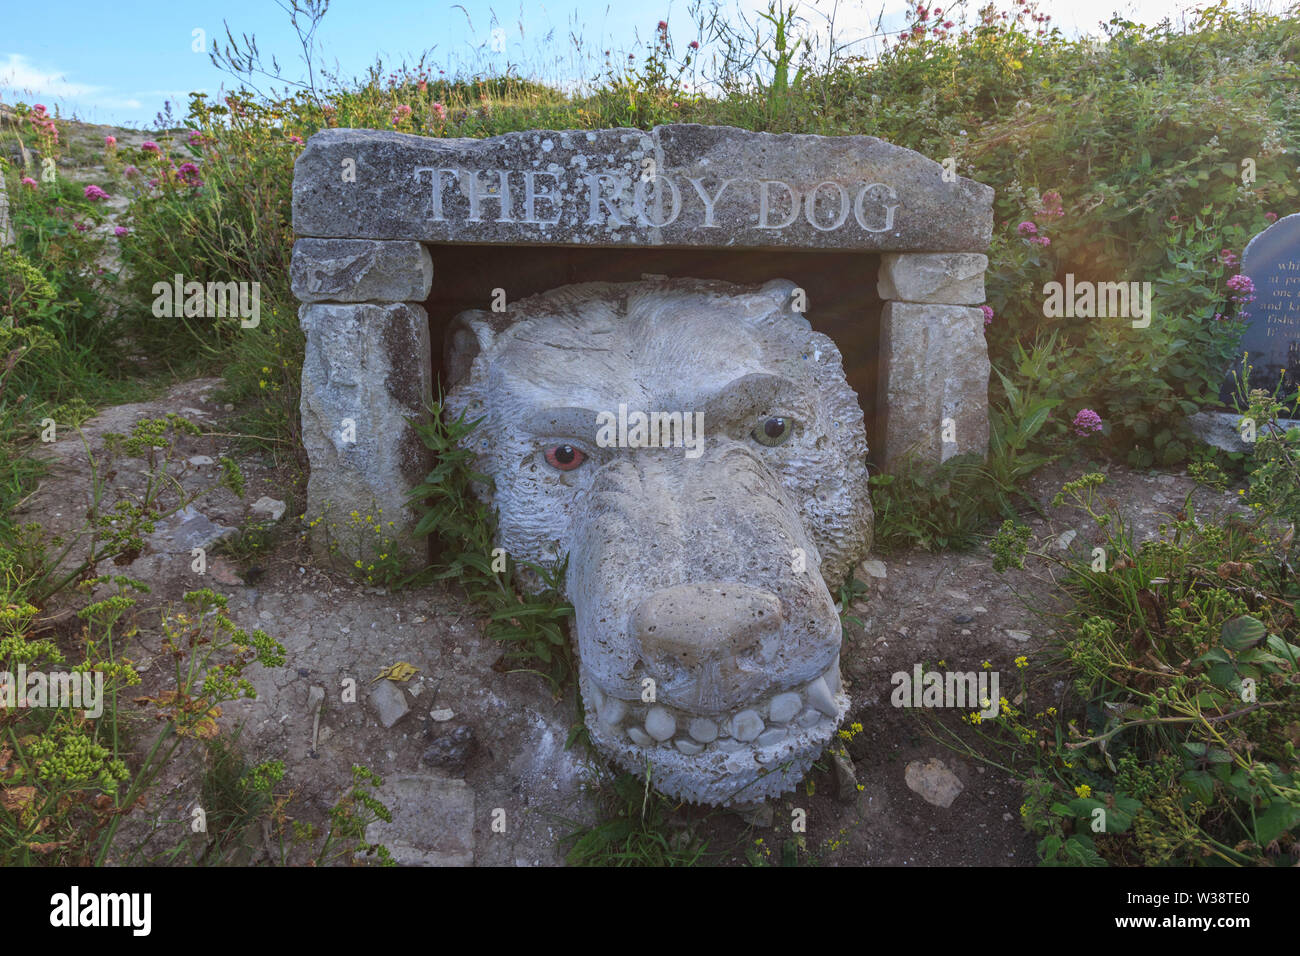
(1027, 228)
(110, 141)
(130, 171)
(663, 26)
(29, 182)
(1041, 241)
(195, 136)
(1228, 258)
(1051, 205)
(947, 24)
(188, 174)
(295, 139)
(694, 44)
(1270, 216)
(81, 226)
(149, 146)
(120, 231)
(95, 194)
(1243, 288)
(1087, 422)
(440, 111)
(988, 315)
(153, 184)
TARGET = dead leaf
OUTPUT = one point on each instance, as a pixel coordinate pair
(15, 799)
(401, 671)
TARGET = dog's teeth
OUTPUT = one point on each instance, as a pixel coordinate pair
(595, 696)
(613, 711)
(820, 696)
(746, 725)
(832, 675)
(784, 707)
(729, 746)
(660, 724)
(640, 737)
(703, 730)
(773, 735)
(689, 747)
(809, 718)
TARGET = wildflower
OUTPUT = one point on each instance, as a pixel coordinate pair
(986, 665)
(81, 226)
(1027, 228)
(1243, 288)
(988, 315)
(947, 24)
(153, 184)
(694, 44)
(188, 174)
(110, 142)
(1022, 662)
(1083, 790)
(130, 171)
(1051, 205)
(676, 105)
(120, 231)
(440, 111)
(1270, 216)
(95, 194)
(663, 26)
(29, 182)
(149, 146)
(1228, 258)
(400, 114)
(295, 139)
(1086, 422)
(1041, 241)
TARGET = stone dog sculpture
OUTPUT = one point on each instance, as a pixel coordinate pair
(694, 449)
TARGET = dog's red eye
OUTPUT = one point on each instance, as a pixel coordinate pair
(564, 457)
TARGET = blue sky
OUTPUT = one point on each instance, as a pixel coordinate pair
(119, 62)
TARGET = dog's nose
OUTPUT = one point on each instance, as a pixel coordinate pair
(705, 623)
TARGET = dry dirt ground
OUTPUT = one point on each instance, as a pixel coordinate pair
(518, 790)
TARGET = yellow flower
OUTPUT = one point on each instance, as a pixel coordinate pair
(986, 665)
(358, 563)
(1083, 790)
(1022, 662)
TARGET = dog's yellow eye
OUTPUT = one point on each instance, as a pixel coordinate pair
(773, 431)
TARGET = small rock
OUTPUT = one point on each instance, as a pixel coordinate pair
(198, 461)
(315, 697)
(442, 714)
(962, 618)
(451, 751)
(846, 779)
(660, 724)
(874, 568)
(1020, 636)
(1063, 542)
(1007, 817)
(267, 505)
(747, 725)
(979, 609)
(416, 689)
(389, 702)
(936, 784)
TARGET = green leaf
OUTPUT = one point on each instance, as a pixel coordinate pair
(1242, 632)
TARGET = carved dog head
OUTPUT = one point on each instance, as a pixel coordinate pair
(693, 447)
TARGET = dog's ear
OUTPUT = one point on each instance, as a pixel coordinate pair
(469, 334)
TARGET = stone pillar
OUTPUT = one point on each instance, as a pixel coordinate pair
(367, 374)
(934, 364)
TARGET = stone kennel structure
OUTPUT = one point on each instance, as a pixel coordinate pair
(555, 281)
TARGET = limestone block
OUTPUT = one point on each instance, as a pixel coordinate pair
(934, 378)
(366, 372)
(360, 270)
(952, 278)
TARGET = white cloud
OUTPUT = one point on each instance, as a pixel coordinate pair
(18, 73)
